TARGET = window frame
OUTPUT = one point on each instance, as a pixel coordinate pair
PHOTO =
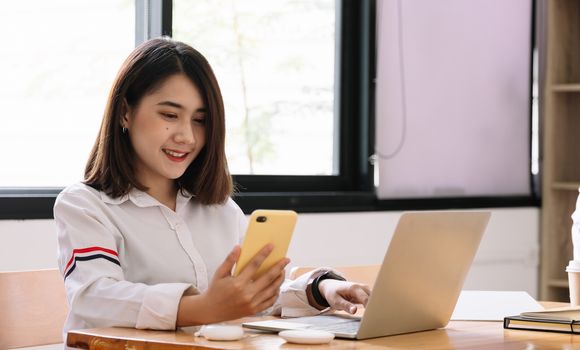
(353, 188)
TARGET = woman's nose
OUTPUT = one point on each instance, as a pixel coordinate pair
(185, 134)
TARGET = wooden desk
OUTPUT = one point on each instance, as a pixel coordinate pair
(457, 335)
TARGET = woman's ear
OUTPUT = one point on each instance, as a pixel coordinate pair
(125, 121)
(125, 113)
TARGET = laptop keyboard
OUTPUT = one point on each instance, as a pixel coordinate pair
(344, 327)
(330, 323)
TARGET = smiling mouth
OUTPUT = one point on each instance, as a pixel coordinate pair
(174, 155)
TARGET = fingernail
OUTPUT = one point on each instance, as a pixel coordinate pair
(352, 309)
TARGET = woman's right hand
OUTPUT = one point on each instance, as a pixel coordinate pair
(229, 297)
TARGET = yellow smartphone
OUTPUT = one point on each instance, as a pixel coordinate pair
(267, 226)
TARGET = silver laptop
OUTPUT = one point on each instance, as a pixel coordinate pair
(418, 283)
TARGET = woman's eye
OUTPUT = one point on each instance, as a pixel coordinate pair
(169, 115)
(200, 121)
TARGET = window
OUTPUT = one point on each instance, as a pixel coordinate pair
(297, 78)
(275, 62)
(56, 70)
(295, 140)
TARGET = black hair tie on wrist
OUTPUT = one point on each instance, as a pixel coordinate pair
(318, 297)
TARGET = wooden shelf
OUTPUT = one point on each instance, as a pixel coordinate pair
(557, 283)
(560, 144)
(567, 186)
(565, 87)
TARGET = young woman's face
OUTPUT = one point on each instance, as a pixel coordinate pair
(167, 130)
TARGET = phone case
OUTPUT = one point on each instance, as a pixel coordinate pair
(267, 226)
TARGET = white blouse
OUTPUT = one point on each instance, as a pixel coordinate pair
(127, 261)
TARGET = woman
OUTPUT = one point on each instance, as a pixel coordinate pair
(149, 238)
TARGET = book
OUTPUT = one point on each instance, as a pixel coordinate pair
(564, 320)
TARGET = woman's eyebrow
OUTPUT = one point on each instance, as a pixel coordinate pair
(170, 104)
(177, 105)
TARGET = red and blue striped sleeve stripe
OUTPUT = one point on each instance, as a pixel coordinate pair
(90, 253)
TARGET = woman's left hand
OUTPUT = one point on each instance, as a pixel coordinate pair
(344, 295)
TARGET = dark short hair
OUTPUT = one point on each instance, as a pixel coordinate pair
(111, 165)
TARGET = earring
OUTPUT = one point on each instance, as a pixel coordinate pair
(124, 130)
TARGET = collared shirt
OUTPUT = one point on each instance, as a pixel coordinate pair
(127, 261)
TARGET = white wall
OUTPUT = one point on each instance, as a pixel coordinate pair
(507, 258)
